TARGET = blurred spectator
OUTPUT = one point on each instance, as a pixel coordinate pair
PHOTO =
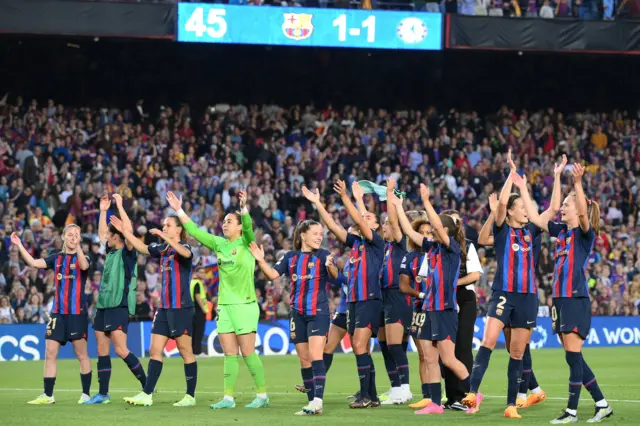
(546, 11)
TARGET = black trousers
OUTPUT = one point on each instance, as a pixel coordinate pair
(464, 344)
(199, 319)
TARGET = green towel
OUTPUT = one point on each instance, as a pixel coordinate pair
(369, 187)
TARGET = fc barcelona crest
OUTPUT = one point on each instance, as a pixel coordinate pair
(311, 265)
(361, 248)
(297, 26)
(527, 238)
(72, 266)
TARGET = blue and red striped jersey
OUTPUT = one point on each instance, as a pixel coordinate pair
(366, 259)
(410, 267)
(175, 272)
(308, 274)
(442, 278)
(69, 280)
(517, 250)
(390, 272)
(572, 251)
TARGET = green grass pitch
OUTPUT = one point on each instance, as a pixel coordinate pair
(617, 371)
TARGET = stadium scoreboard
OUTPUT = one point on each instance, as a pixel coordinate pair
(285, 26)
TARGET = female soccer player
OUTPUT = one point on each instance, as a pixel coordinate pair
(397, 310)
(438, 324)
(411, 284)
(470, 272)
(307, 268)
(68, 320)
(514, 301)
(238, 311)
(338, 327)
(364, 297)
(174, 318)
(116, 300)
(571, 310)
(529, 381)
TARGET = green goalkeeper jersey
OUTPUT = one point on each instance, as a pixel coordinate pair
(236, 264)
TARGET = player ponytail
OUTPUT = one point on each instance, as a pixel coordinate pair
(301, 228)
(593, 209)
(455, 230)
(64, 233)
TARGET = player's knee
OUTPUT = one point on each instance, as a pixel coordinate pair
(155, 353)
(122, 351)
(50, 353)
(421, 357)
(360, 348)
(516, 353)
(489, 343)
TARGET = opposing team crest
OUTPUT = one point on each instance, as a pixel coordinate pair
(297, 26)
(234, 252)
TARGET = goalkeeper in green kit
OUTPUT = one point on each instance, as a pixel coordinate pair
(238, 311)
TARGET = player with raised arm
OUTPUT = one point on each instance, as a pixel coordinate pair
(174, 318)
(438, 323)
(397, 309)
(412, 283)
(364, 297)
(116, 300)
(529, 381)
(571, 311)
(514, 301)
(308, 267)
(68, 322)
(238, 311)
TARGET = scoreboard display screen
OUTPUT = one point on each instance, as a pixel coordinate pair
(285, 26)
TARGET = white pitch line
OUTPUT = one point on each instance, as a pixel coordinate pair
(293, 392)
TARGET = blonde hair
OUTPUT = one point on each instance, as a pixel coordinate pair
(64, 233)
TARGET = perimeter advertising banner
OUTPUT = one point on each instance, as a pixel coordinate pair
(26, 342)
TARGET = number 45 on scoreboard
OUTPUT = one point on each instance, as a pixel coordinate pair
(216, 26)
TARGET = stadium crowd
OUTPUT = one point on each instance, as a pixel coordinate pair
(546, 9)
(56, 161)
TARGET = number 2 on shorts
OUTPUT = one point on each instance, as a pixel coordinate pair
(500, 305)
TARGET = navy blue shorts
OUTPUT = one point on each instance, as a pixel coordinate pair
(364, 314)
(340, 320)
(413, 330)
(571, 315)
(515, 310)
(438, 325)
(301, 327)
(397, 308)
(66, 327)
(112, 319)
(173, 323)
